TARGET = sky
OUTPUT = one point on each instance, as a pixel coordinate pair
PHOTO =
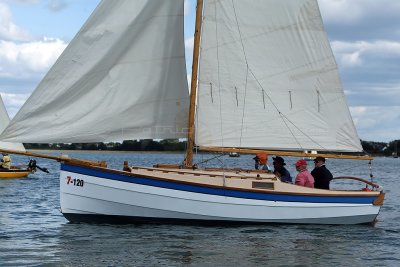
(364, 35)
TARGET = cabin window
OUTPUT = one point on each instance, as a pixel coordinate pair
(263, 185)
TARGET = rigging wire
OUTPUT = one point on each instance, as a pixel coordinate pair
(215, 157)
(219, 78)
(247, 74)
(219, 88)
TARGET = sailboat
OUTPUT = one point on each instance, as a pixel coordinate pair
(395, 154)
(13, 171)
(264, 79)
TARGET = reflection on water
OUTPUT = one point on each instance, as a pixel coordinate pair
(34, 232)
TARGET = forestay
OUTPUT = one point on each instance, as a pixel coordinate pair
(268, 79)
(4, 121)
(122, 77)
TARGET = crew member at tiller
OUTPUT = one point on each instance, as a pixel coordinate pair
(321, 174)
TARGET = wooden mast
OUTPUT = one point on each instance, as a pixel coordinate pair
(193, 88)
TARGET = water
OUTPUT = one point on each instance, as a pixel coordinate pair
(34, 233)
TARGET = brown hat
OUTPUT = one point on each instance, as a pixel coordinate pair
(279, 160)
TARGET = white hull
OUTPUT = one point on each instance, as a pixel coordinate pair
(102, 198)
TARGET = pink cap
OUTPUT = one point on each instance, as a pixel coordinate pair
(300, 162)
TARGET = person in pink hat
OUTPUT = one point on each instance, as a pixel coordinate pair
(304, 177)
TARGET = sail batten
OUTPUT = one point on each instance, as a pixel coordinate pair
(122, 77)
(277, 80)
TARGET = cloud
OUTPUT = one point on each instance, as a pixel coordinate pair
(8, 30)
(361, 19)
(351, 54)
(189, 80)
(350, 11)
(57, 5)
(23, 60)
(370, 123)
(26, 1)
(26, 60)
(13, 102)
(189, 43)
(187, 7)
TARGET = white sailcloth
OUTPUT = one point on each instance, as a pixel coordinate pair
(4, 121)
(123, 76)
(268, 79)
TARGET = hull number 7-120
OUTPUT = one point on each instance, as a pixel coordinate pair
(76, 182)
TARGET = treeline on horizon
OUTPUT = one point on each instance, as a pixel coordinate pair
(371, 147)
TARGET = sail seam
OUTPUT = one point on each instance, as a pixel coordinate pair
(219, 78)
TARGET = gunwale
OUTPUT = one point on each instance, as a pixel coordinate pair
(13, 173)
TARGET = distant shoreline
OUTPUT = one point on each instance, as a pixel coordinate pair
(137, 152)
(101, 151)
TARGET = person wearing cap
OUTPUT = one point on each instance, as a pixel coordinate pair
(304, 177)
(5, 161)
(321, 174)
(280, 170)
(261, 160)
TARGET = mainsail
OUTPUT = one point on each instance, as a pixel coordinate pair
(123, 76)
(268, 79)
(4, 121)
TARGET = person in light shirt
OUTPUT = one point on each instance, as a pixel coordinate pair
(5, 161)
(304, 177)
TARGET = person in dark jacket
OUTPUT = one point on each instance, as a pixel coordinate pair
(280, 170)
(321, 174)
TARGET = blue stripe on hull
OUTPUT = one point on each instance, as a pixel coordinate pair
(215, 191)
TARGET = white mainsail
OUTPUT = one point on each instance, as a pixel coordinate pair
(4, 121)
(123, 76)
(268, 79)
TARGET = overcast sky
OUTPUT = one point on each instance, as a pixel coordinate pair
(364, 34)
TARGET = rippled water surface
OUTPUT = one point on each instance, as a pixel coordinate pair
(34, 233)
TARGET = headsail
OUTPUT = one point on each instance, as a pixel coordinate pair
(4, 121)
(123, 76)
(268, 79)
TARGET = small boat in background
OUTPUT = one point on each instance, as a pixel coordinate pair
(14, 171)
(395, 154)
(311, 152)
(234, 155)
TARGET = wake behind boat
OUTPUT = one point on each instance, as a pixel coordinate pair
(267, 82)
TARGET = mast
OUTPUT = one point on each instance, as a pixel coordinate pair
(193, 87)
